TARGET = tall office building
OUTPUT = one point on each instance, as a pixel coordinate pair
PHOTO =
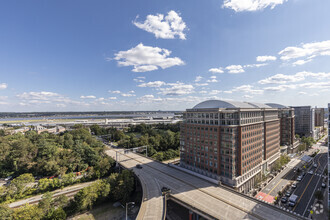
(304, 120)
(319, 117)
(230, 141)
(287, 124)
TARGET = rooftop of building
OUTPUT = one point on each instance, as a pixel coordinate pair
(229, 104)
(275, 105)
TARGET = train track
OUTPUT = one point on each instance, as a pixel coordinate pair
(221, 199)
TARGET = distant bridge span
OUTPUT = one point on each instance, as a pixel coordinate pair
(198, 195)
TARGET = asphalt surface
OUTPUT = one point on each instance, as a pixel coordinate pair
(309, 185)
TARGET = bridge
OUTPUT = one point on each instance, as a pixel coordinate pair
(201, 197)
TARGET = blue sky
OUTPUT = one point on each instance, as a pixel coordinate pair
(162, 55)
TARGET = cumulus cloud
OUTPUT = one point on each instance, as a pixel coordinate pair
(198, 78)
(216, 70)
(213, 79)
(44, 97)
(247, 89)
(214, 92)
(152, 84)
(127, 94)
(300, 76)
(112, 98)
(235, 69)
(251, 5)
(310, 50)
(146, 58)
(115, 91)
(247, 97)
(166, 27)
(3, 86)
(177, 88)
(301, 62)
(265, 58)
(280, 88)
(201, 84)
(88, 97)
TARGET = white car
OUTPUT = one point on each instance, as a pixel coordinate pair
(310, 172)
(315, 165)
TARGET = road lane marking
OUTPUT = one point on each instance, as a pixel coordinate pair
(306, 186)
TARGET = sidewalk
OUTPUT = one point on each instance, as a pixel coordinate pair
(320, 212)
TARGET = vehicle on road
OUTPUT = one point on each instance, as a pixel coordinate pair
(288, 193)
(294, 186)
(293, 200)
(139, 166)
(323, 185)
(8, 178)
(315, 165)
(310, 172)
(299, 178)
(284, 199)
(165, 189)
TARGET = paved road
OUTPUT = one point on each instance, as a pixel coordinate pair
(282, 179)
(218, 202)
(309, 184)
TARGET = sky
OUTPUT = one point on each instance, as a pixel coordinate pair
(84, 55)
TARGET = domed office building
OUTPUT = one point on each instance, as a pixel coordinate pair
(229, 141)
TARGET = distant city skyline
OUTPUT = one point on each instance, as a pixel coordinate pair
(147, 55)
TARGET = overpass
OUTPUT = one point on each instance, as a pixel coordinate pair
(198, 195)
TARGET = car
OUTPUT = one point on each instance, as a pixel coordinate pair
(303, 174)
(284, 199)
(299, 178)
(165, 189)
(310, 172)
(139, 166)
(294, 186)
(8, 178)
(288, 193)
(323, 185)
(315, 165)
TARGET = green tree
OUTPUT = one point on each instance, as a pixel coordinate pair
(5, 212)
(20, 182)
(318, 195)
(27, 212)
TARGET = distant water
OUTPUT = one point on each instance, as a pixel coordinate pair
(142, 115)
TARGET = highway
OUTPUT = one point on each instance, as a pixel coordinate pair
(214, 201)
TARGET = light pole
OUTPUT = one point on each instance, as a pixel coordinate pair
(128, 203)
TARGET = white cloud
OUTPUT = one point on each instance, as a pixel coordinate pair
(214, 92)
(251, 5)
(309, 49)
(213, 79)
(166, 27)
(139, 80)
(216, 70)
(302, 93)
(203, 92)
(235, 69)
(152, 84)
(265, 58)
(127, 94)
(132, 91)
(3, 97)
(247, 97)
(60, 105)
(88, 97)
(247, 89)
(112, 98)
(300, 76)
(255, 65)
(115, 92)
(198, 78)
(177, 88)
(301, 62)
(280, 88)
(146, 58)
(3, 86)
(201, 84)
(228, 92)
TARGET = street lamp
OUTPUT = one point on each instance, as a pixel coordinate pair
(128, 203)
